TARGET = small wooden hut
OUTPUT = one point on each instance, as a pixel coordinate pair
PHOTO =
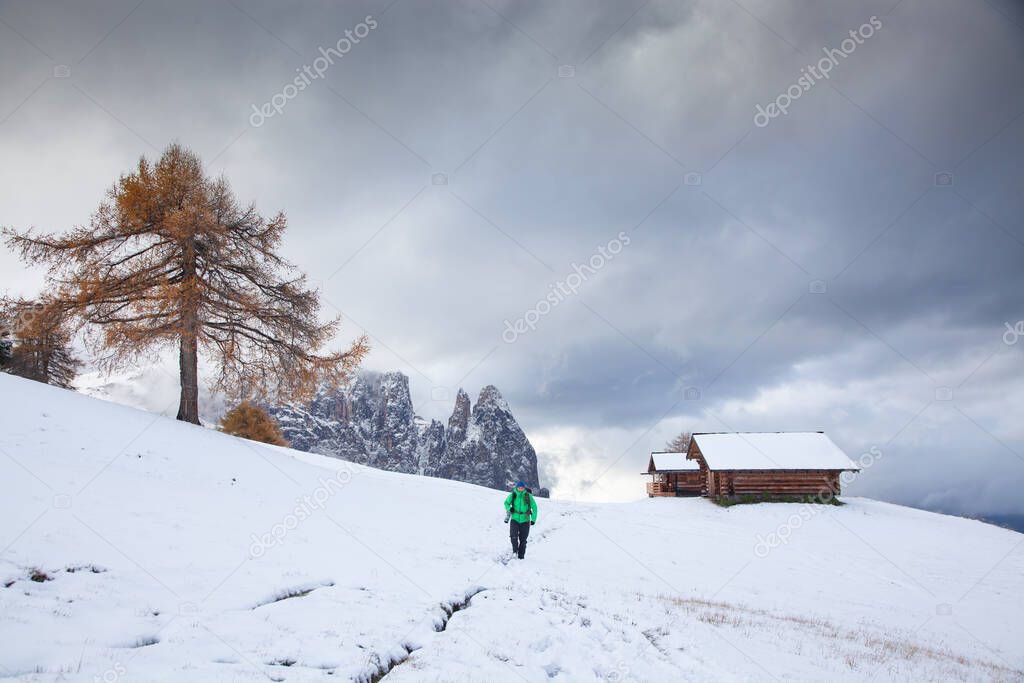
(672, 474)
(768, 463)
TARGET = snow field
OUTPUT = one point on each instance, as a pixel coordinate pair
(145, 536)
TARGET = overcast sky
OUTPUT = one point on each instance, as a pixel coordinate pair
(852, 265)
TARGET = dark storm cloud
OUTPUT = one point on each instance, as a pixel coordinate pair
(462, 159)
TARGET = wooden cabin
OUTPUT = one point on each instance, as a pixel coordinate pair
(768, 463)
(672, 474)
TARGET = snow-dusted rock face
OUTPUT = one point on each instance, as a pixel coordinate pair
(492, 450)
(373, 422)
(458, 423)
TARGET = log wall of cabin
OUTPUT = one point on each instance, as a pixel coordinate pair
(786, 482)
(706, 478)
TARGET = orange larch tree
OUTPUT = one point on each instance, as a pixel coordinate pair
(171, 259)
(39, 335)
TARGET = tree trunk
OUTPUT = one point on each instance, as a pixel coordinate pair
(188, 408)
(188, 354)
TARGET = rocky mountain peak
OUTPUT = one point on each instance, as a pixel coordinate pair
(491, 399)
(372, 421)
(458, 423)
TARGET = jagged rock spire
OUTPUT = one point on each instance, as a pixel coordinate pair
(373, 422)
(458, 423)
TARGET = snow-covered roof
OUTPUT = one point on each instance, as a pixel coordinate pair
(772, 451)
(666, 462)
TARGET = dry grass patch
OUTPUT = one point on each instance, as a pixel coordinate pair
(872, 649)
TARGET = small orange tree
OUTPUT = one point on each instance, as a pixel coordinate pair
(170, 259)
(38, 341)
(250, 421)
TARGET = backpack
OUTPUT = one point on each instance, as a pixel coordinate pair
(526, 497)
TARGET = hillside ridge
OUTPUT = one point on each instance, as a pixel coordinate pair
(147, 548)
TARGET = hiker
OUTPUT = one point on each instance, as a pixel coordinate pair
(521, 508)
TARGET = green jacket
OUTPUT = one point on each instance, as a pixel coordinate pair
(521, 511)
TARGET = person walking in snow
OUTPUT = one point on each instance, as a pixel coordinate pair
(521, 509)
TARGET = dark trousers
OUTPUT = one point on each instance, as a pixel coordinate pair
(518, 531)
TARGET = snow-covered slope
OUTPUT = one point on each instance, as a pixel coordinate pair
(166, 552)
